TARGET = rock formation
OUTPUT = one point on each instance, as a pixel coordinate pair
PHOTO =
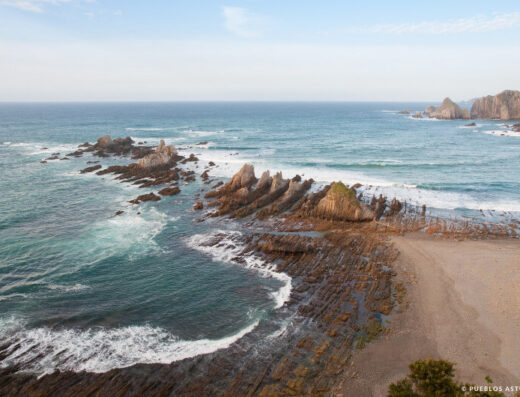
(504, 106)
(340, 203)
(162, 156)
(404, 111)
(449, 110)
(429, 110)
(417, 115)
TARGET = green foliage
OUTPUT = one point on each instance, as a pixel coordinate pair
(435, 378)
(339, 189)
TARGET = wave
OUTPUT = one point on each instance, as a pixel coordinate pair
(68, 288)
(168, 140)
(147, 129)
(424, 119)
(228, 248)
(502, 133)
(126, 233)
(44, 350)
(201, 132)
(416, 195)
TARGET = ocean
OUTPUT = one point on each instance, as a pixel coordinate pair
(83, 289)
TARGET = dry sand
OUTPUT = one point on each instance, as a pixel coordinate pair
(464, 306)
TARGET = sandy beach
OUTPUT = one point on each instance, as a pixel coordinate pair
(463, 305)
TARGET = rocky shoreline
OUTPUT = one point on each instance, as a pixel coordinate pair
(332, 242)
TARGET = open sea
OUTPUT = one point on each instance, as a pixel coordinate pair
(83, 289)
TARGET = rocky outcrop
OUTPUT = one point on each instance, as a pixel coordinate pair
(341, 204)
(449, 110)
(404, 111)
(163, 155)
(429, 110)
(504, 106)
(117, 146)
(90, 169)
(417, 115)
(169, 191)
(145, 197)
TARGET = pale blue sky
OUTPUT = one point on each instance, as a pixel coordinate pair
(61, 50)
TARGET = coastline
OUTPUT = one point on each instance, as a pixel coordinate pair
(462, 302)
(330, 312)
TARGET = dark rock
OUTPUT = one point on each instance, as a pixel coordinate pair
(211, 164)
(198, 206)
(145, 197)
(119, 212)
(404, 111)
(395, 207)
(473, 124)
(203, 143)
(90, 169)
(169, 191)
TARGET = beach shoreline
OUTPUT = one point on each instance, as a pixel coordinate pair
(462, 302)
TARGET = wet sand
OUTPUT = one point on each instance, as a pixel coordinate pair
(463, 305)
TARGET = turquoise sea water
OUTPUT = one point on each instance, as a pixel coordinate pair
(106, 291)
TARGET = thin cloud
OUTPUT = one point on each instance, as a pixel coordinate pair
(241, 22)
(476, 24)
(35, 5)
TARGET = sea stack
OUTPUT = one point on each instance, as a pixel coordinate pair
(340, 204)
(162, 156)
(504, 106)
(449, 110)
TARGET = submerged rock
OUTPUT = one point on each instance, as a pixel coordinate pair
(473, 124)
(449, 110)
(404, 111)
(504, 106)
(340, 203)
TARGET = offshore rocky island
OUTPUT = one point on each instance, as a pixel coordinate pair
(504, 106)
(335, 245)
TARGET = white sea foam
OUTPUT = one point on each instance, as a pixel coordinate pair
(424, 118)
(229, 248)
(147, 129)
(201, 133)
(68, 288)
(155, 141)
(130, 231)
(440, 200)
(44, 350)
(502, 133)
(38, 148)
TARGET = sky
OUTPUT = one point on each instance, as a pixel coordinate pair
(257, 50)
